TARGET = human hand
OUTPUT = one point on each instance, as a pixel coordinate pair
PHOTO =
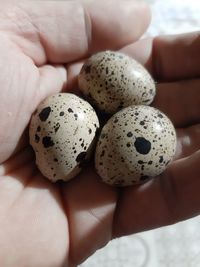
(174, 62)
(41, 43)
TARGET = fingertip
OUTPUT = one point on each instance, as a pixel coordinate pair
(62, 72)
(141, 51)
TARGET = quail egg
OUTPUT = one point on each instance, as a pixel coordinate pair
(137, 143)
(112, 80)
(62, 134)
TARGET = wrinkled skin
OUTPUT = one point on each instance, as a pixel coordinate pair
(41, 52)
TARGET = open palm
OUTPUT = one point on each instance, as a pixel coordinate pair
(39, 220)
(42, 45)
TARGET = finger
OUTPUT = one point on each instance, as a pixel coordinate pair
(172, 57)
(68, 30)
(90, 206)
(180, 101)
(73, 71)
(172, 197)
(188, 141)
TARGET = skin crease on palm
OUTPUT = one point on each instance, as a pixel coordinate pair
(41, 51)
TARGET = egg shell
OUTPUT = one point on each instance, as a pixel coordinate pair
(137, 143)
(62, 134)
(112, 80)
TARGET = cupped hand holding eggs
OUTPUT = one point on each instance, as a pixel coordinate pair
(84, 212)
(47, 224)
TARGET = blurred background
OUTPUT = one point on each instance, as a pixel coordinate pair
(172, 246)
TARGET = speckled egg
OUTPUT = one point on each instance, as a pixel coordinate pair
(137, 143)
(112, 80)
(62, 134)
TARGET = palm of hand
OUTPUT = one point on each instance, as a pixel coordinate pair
(41, 220)
(32, 213)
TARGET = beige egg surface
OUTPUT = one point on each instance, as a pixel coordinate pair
(137, 143)
(112, 80)
(62, 133)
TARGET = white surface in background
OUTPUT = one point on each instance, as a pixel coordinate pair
(172, 246)
(174, 16)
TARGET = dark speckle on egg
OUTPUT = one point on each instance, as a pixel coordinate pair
(57, 127)
(37, 138)
(47, 142)
(161, 159)
(38, 129)
(81, 156)
(128, 144)
(160, 115)
(44, 114)
(70, 110)
(129, 134)
(142, 145)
